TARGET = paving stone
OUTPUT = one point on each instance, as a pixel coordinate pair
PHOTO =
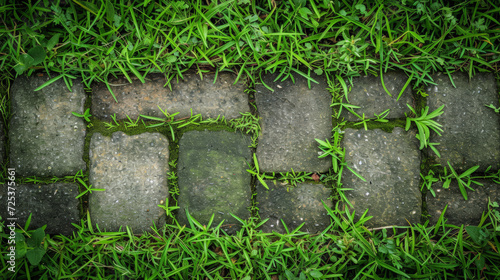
(461, 211)
(203, 96)
(292, 117)
(390, 163)
(46, 139)
(213, 178)
(133, 172)
(368, 93)
(53, 205)
(471, 131)
(301, 204)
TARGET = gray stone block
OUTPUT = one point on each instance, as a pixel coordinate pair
(390, 164)
(292, 117)
(301, 204)
(368, 93)
(46, 139)
(471, 131)
(53, 205)
(213, 177)
(203, 96)
(461, 211)
(133, 172)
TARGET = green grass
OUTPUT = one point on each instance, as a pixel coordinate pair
(99, 39)
(344, 250)
(344, 38)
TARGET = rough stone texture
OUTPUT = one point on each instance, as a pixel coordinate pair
(53, 205)
(301, 204)
(461, 211)
(133, 170)
(203, 96)
(213, 177)
(368, 93)
(390, 163)
(46, 139)
(292, 117)
(471, 131)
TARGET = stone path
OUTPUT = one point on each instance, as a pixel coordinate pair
(45, 139)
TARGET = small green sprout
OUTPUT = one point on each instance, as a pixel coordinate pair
(168, 209)
(85, 115)
(423, 123)
(497, 110)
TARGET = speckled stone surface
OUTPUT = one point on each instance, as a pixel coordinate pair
(53, 205)
(291, 118)
(133, 172)
(471, 131)
(213, 177)
(390, 163)
(461, 211)
(301, 204)
(368, 93)
(46, 139)
(203, 96)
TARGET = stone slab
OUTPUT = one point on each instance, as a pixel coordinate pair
(471, 131)
(302, 204)
(133, 172)
(461, 211)
(46, 139)
(390, 164)
(213, 178)
(292, 117)
(203, 96)
(368, 93)
(53, 205)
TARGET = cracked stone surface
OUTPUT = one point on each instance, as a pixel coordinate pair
(133, 172)
(53, 205)
(471, 131)
(368, 93)
(302, 204)
(461, 211)
(46, 139)
(203, 96)
(390, 163)
(292, 117)
(213, 177)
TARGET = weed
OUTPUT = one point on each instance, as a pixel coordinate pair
(88, 189)
(381, 117)
(168, 209)
(113, 124)
(256, 172)
(131, 123)
(86, 115)
(34, 247)
(424, 123)
(337, 154)
(428, 180)
(491, 106)
(464, 180)
(247, 123)
(293, 178)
